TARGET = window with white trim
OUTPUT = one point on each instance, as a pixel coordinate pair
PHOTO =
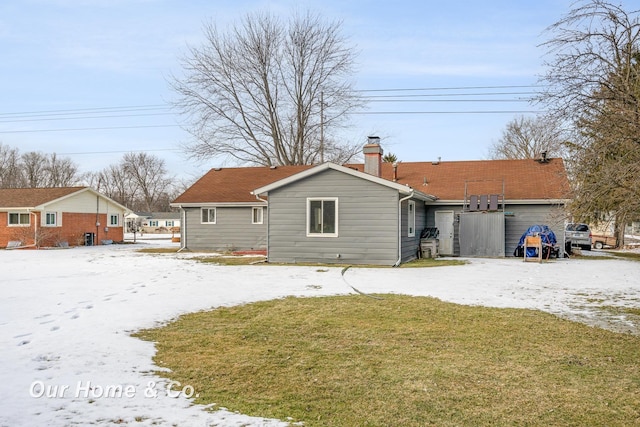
(51, 219)
(257, 215)
(322, 217)
(411, 218)
(19, 219)
(153, 223)
(114, 220)
(169, 223)
(208, 215)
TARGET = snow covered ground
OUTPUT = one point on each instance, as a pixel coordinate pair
(65, 317)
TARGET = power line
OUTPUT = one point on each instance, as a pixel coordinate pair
(116, 151)
(400, 96)
(451, 112)
(89, 110)
(92, 128)
(449, 88)
(84, 117)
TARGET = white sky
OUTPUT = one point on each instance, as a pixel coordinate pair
(91, 54)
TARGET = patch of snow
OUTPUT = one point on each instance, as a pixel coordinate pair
(66, 316)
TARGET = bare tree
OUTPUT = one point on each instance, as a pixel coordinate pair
(10, 170)
(528, 137)
(60, 172)
(34, 165)
(117, 184)
(268, 92)
(593, 82)
(149, 175)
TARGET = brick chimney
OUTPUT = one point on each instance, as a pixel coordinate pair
(373, 156)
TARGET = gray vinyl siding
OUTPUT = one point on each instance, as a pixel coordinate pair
(367, 221)
(524, 216)
(410, 245)
(517, 219)
(232, 231)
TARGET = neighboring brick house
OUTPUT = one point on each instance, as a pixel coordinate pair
(73, 216)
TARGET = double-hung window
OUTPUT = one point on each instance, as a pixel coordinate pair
(114, 220)
(411, 218)
(257, 215)
(208, 215)
(51, 219)
(322, 217)
(19, 218)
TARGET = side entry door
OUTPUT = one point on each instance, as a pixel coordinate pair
(444, 222)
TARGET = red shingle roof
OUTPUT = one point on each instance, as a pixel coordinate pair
(31, 197)
(523, 180)
(234, 185)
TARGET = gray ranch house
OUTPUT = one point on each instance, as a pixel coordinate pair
(376, 212)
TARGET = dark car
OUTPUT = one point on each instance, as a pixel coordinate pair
(578, 235)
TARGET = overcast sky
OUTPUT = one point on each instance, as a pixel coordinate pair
(88, 58)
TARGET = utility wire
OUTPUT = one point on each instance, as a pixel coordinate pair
(401, 96)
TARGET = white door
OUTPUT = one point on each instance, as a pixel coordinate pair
(444, 222)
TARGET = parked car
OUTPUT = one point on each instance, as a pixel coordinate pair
(577, 235)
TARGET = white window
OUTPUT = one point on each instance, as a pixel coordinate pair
(169, 223)
(51, 219)
(114, 220)
(322, 217)
(208, 215)
(411, 218)
(19, 219)
(153, 223)
(256, 215)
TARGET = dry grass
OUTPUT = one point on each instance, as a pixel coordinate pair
(403, 361)
(635, 256)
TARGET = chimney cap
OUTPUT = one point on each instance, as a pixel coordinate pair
(373, 140)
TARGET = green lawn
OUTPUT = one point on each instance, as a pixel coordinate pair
(403, 361)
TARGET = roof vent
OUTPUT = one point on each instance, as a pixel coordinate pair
(273, 167)
(217, 169)
(436, 162)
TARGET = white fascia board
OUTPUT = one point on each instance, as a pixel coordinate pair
(21, 208)
(218, 204)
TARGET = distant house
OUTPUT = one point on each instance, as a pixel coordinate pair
(58, 217)
(374, 212)
(153, 222)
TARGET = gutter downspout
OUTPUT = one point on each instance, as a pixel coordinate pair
(266, 202)
(183, 229)
(400, 227)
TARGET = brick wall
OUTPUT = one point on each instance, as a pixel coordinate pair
(73, 229)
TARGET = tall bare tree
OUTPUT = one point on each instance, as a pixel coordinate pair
(149, 175)
(10, 169)
(60, 172)
(34, 165)
(593, 82)
(115, 183)
(269, 92)
(528, 137)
